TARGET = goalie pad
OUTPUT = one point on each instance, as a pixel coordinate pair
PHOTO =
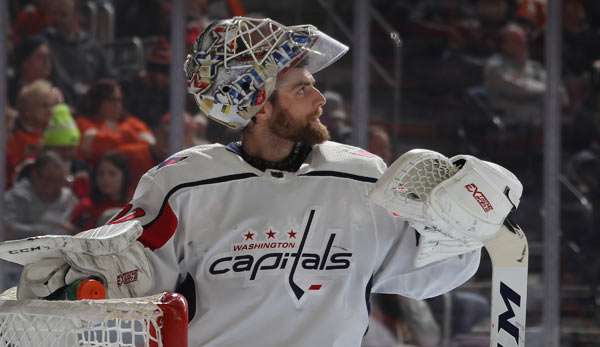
(455, 204)
(110, 252)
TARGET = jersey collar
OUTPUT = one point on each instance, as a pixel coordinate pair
(291, 163)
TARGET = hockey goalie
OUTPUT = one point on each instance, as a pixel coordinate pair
(278, 239)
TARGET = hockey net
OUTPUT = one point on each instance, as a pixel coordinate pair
(154, 321)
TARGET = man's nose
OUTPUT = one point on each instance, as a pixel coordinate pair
(321, 98)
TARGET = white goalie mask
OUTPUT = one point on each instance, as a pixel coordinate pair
(234, 63)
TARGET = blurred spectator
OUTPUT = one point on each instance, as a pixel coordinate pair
(491, 16)
(579, 51)
(77, 58)
(580, 215)
(10, 119)
(582, 170)
(515, 83)
(147, 95)
(579, 39)
(110, 190)
(335, 117)
(531, 14)
(31, 62)
(380, 144)
(142, 159)
(142, 18)
(199, 127)
(442, 24)
(62, 137)
(495, 14)
(40, 204)
(106, 126)
(196, 20)
(31, 20)
(583, 132)
(34, 104)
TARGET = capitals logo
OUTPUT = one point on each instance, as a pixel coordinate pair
(250, 267)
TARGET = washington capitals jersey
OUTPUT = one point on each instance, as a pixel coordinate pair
(280, 258)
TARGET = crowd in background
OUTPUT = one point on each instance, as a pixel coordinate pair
(83, 126)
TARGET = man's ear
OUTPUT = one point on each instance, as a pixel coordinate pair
(265, 112)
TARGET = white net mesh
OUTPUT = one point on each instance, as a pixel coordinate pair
(94, 323)
(251, 40)
(406, 185)
(419, 180)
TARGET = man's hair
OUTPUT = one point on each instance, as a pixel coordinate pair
(45, 159)
(99, 92)
(273, 96)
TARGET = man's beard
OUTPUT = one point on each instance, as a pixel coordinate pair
(309, 130)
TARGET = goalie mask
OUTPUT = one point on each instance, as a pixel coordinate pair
(234, 63)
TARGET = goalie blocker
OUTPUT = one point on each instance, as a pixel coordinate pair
(458, 205)
(110, 253)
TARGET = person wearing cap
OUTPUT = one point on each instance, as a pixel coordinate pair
(272, 239)
(62, 137)
(147, 94)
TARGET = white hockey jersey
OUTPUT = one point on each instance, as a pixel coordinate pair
(280, 258)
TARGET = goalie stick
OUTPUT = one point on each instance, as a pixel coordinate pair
(509, 253)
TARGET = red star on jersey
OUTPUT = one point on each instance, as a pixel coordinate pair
(248, 235)
(270, 234)
(292, 234)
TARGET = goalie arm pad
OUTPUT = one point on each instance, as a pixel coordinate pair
(110, 252)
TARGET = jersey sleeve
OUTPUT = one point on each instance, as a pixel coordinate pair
(395, 271)
(161, 240)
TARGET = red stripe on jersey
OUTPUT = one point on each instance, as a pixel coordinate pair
(314, 287)
(121, 213)
(126, 215)
(160, 230)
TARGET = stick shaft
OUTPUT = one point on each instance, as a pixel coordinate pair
(509, 253)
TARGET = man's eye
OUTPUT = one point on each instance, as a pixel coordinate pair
(300, 91)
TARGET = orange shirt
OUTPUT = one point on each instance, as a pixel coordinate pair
(140, 160)
(21, 145)
(127, 132)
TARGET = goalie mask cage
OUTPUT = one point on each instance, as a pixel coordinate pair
(154, 321)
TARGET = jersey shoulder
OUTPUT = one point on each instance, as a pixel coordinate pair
(333, 156)
(202, 162)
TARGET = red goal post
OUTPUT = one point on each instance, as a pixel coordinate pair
(154, 321)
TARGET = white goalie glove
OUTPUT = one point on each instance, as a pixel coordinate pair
(455, 204)
(110, 253)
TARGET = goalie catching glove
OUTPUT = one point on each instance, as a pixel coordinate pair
(455, 204)
(110, 253)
